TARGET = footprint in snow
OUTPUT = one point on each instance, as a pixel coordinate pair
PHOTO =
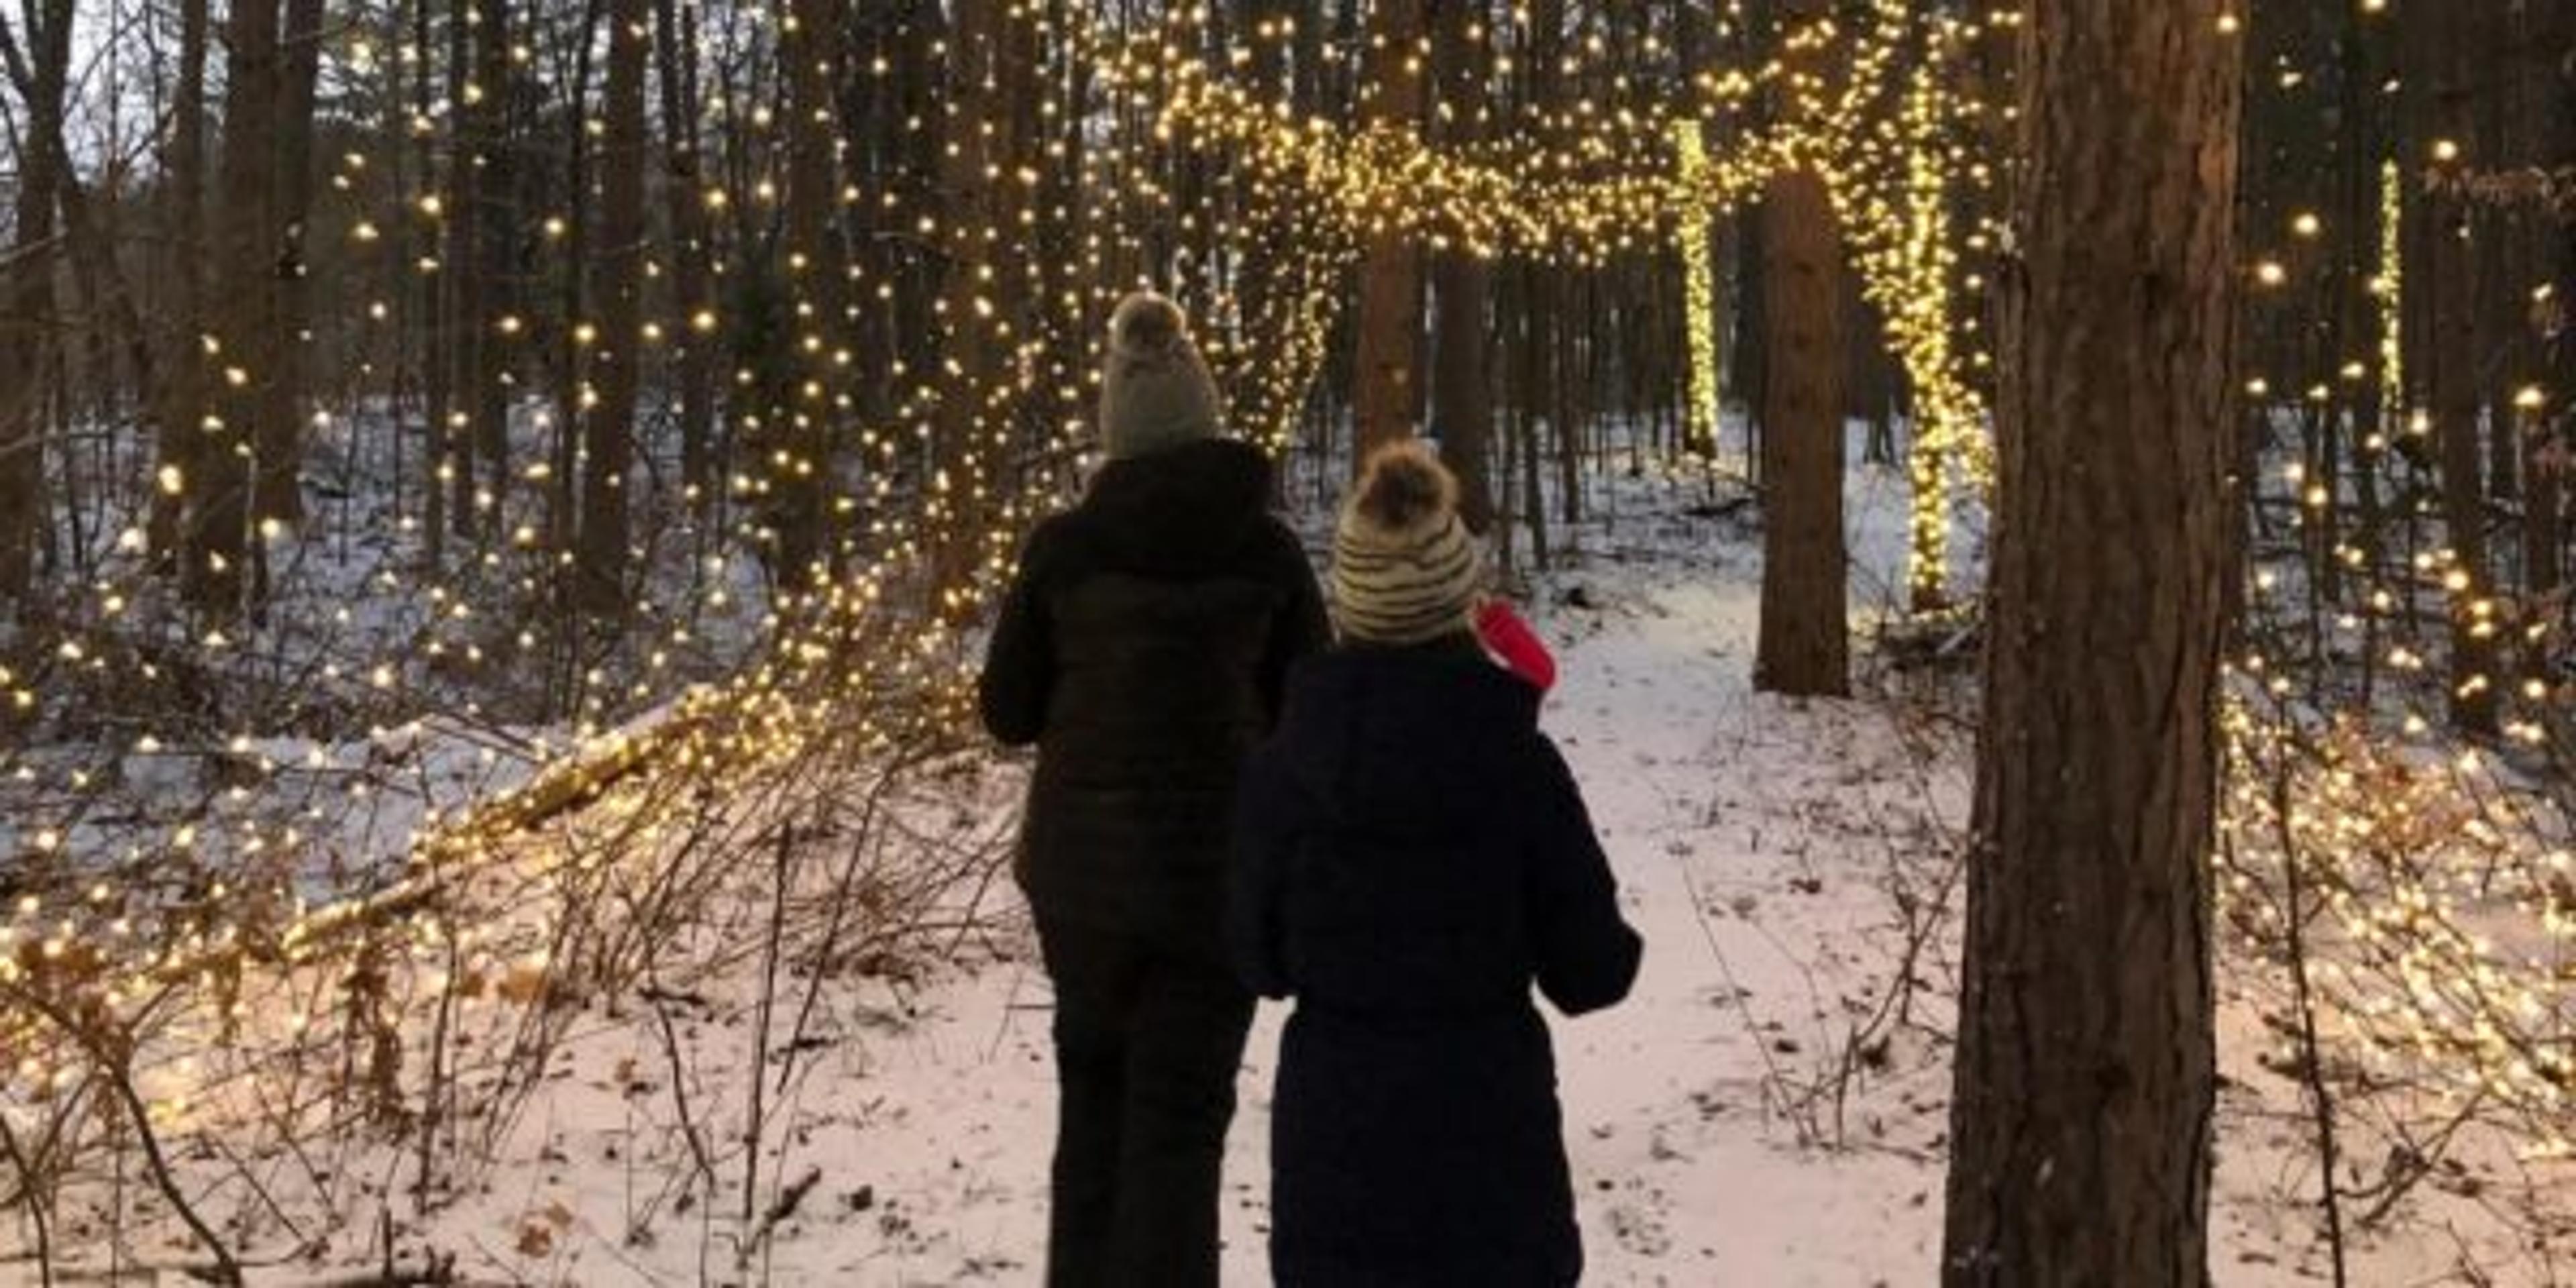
(1639, 1231)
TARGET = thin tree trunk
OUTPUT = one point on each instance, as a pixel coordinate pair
(2085, 1075)
(617, 359)
(1387, 398)
(27, 302)
(484, 385)
(277, 492)
(436, 318)
(2453, 380)
(1462, 394)
(182, 383)
(245, 266)
(692, 243)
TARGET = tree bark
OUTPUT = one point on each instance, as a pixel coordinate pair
(1804, 643)
(1462, 395)
(2453, 384)
(2085, 1076)
(692, 245)
(993, 69)
(27, 302)
(462, 264)
(278, 491)
(617, 359)
(1387, 399)
(246, 304)
(182, 379)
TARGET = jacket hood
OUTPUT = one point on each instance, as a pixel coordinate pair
(1183, 511)
(1383, 737)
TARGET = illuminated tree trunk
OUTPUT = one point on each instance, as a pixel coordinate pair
(436, 315)
(1804, 642)
(217, 525)
(483, 385)
(2545, 469)
(182, 392)
(805, 427)
(1462, 398)
(994, 61)
(617, 357)
(2085, 1078)
(692, 244)
(278, 490)
(1387, 401)
(2452, 381)
(461, 263)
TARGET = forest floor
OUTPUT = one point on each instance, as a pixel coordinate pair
(1769, 1107)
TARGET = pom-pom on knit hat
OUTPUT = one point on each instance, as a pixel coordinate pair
(1405, 570)
(1155, 391)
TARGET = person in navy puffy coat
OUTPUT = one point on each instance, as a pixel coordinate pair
(1412, 855)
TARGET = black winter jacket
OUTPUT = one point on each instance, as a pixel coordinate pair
(1412, 855)
(1144, 649)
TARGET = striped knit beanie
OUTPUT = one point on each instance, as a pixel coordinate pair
(1155, 391)
(1405, 570)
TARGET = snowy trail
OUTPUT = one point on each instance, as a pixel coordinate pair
(936, 1168)
(1757, 842)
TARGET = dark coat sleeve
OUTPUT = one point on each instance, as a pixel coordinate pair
(1587, 954)
(1265, 834)
(1301, 629)
(1019, 663)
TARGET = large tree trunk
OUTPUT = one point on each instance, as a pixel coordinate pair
(1804, 645)
(616, 361)
(1388, 398)
(1462, 394)
(2085, 1073)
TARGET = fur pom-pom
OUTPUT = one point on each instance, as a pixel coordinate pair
(1405, 487)
(1146, 325)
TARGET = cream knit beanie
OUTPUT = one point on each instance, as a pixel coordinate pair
(1155, 391)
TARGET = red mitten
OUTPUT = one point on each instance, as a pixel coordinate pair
(1507, 637)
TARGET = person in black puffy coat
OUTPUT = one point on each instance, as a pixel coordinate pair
(1411, 855)
(1143, 649)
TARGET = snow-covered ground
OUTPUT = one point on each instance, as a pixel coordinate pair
(1768, 1109)
(1757, 1113)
